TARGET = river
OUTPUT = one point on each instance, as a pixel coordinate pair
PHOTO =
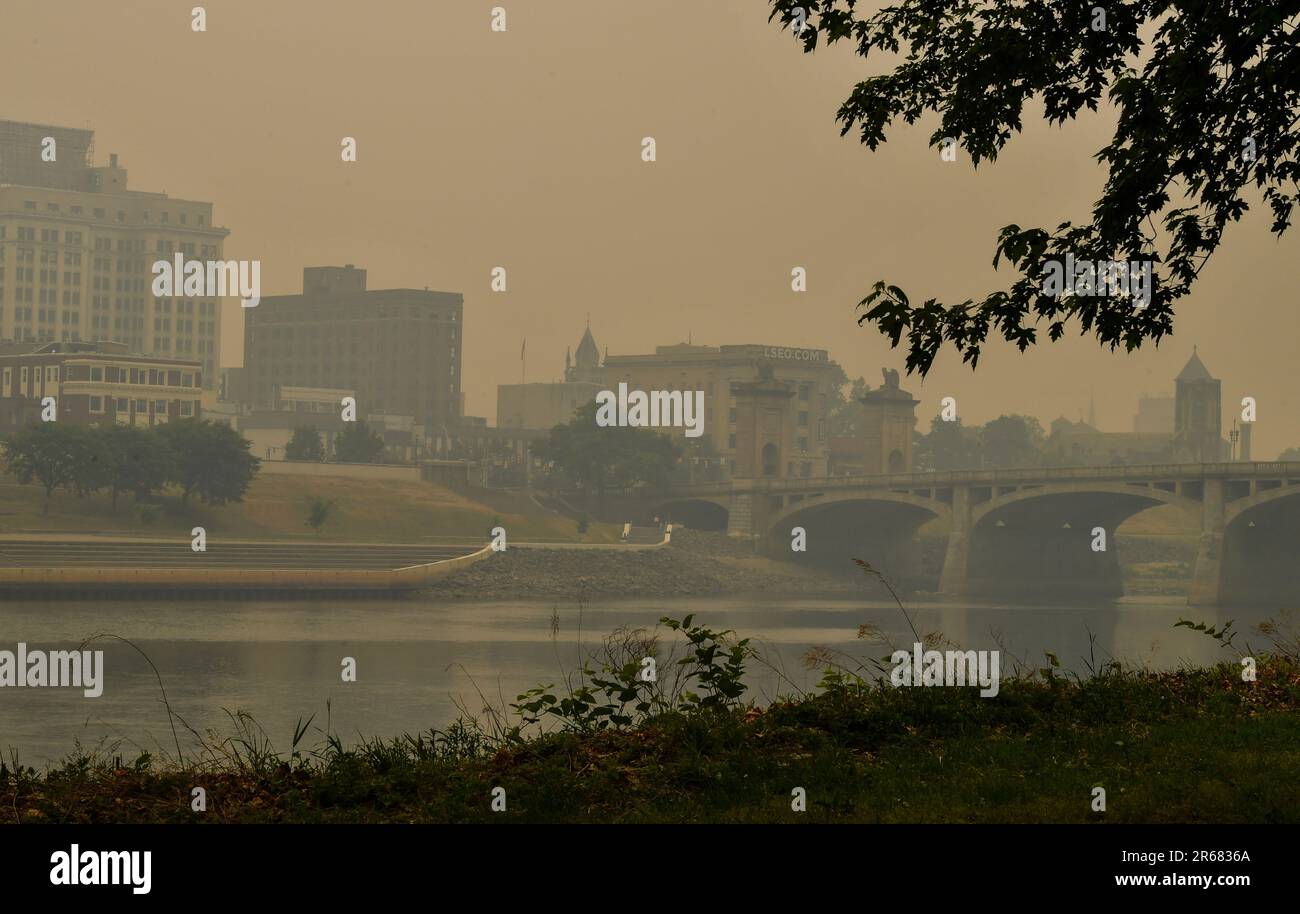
(282, 661)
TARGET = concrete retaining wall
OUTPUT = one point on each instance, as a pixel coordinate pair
(215, 579)
(349, 470)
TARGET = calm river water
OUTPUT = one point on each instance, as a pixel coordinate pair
(281, 661)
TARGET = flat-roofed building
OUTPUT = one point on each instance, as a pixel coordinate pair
(398, 349)
(719, 370)
(98, 383)
(77, 249)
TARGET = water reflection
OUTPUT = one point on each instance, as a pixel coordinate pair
(417, 660)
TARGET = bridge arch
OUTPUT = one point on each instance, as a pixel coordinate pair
(780, 523)
(1240, 508)
(877, 526)
(697, 513)
(1260, 547)
(1039, 541)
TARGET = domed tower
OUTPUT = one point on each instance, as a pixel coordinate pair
(1197, 416)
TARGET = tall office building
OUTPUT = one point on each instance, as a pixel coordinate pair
(77, 250)
(397, 348)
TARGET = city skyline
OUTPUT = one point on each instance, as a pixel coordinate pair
(517, 173)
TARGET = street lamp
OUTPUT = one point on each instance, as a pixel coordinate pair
(1233, 437)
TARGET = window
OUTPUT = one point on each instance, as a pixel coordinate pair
(803, 445)
(96, 373)
(731, 415)
(803, 391)
(123, 405)
(803, 418)
(24, 376)
(187, 408)
(731, 441)
(96, 404)
(142, 406)
(160, 406)
(187, 380)
(8, 381)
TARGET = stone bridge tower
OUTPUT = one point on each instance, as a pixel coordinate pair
(888, 422)
(764, 428)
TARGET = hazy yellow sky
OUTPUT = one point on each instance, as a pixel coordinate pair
(522, 149)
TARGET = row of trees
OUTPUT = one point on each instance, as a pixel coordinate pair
(356, 443)
(1007, 441)
(202, 458)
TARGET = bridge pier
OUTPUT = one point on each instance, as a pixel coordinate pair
(953, 579)
(1207, 578)
(740, 516)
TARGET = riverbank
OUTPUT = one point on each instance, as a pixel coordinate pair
(705, 564)
(1190, 746)
(693, 564)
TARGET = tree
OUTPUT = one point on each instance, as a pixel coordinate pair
(212, 460)
(948, 446)
(599, 458)
(140, 460)
(358, 443)
(845, 411)
(55, 456)
(1211, 112)
(319, 511)
(1290, 454)
(1013, 441)
(306, 444)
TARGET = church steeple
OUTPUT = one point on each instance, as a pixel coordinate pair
(586, 361)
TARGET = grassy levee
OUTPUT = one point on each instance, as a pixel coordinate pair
(1194, 745)
(276, 508)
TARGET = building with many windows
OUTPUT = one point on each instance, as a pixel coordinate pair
(77, 249)
(722, 373)
(96, 383)
(397, 348)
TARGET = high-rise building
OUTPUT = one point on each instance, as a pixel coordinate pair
(397, 348)
(77, 250)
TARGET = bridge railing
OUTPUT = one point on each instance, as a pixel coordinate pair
(1145, 473)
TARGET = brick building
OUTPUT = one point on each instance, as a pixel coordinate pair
(96, 383)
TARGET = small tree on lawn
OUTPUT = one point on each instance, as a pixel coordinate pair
(306, 444)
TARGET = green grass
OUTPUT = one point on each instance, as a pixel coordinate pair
(1184, 746)
(276, 507)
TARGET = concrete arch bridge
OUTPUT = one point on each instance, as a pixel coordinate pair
(1024, 533)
